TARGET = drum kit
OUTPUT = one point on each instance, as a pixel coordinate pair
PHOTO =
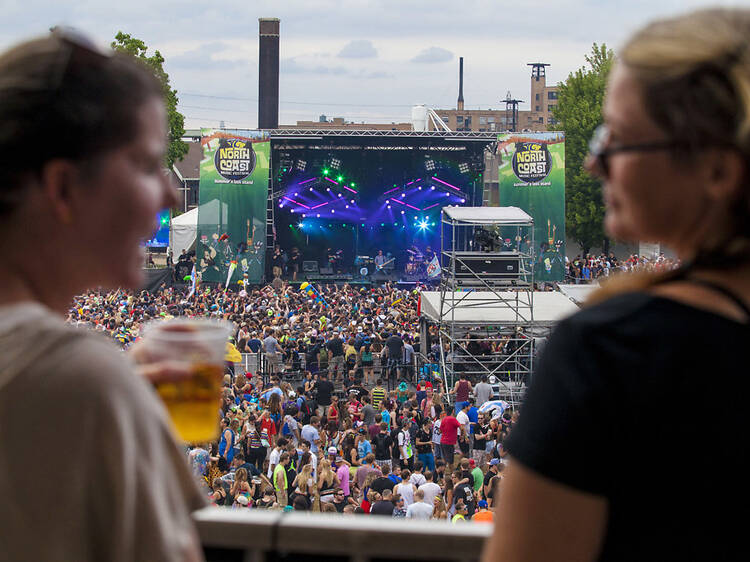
(416, 259)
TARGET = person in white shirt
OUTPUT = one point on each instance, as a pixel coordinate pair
(417, 478)
(429, 489)
(406, 489)
(275, 455)
(420, 509)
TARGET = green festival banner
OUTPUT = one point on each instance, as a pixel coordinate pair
(234, 173)
(531, 176)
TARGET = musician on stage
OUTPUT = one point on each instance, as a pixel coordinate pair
(277, 261)
(334, 259)
(295, 259)
(380, 260)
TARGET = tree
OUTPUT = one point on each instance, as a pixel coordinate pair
(578, 113)
(175, 120)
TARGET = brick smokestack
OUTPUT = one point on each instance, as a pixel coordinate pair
(268, 73)
(460, 104)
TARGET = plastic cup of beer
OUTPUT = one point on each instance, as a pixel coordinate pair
(197, 347)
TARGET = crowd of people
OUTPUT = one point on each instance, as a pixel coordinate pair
(589, 269)
(401, 453)
(344, 423)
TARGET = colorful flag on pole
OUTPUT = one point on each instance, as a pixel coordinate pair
(433, 268)
(192, 283)
(232, 267)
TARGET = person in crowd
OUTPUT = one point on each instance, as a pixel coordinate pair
(430, 489)
(482, 391)
(405, 488)
(424, 445)
(327, 481)
(280, 480)
(384, 505)
(81, 208)
(420, 509)
(674, 157)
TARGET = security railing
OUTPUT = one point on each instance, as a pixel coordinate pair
(262, 536)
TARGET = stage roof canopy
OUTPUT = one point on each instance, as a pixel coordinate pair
(477, 308)
(488, 215)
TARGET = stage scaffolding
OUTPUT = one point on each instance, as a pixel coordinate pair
(486, 312)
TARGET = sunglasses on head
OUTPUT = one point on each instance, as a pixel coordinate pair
(81, 49)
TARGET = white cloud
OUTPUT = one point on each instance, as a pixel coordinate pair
(433, 55)
(358, 49)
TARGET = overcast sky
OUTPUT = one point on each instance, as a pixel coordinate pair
(364, 60)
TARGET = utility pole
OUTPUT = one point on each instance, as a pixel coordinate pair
(511, 107)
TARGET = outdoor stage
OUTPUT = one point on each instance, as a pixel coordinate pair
(347, 195)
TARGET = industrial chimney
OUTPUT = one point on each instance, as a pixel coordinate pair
(268, 73)
(460, 104)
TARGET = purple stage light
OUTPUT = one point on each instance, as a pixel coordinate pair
(446, 183)
(412, 207)
(321, 205)
(403, 195)
(394, 189)
(333, 181)
(397, 201)
(296, 202)
(431, 206)
(463, 200)
(328, 189)
(402, 212)
(432, 188)
(307, 181)
(339, 195)
(352, 201)
(349, 188)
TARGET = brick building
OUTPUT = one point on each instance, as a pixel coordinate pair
(339, 123)
(542, 100)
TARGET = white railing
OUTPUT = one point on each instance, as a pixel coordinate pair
(259, 535)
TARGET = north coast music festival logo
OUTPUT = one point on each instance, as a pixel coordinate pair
(234, 159)
(531, 162)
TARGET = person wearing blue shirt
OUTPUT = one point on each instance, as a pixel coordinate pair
(364, 448)
(473, 414)
(386, 417)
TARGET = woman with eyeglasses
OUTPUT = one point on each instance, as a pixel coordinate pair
(674, 158)
(83, 133)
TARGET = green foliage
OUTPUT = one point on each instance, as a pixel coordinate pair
(578, 113)
(175, 120)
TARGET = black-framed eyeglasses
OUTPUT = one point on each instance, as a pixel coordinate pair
(79, 45)
(600, 152)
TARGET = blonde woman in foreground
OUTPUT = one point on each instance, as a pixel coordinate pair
(618, 380)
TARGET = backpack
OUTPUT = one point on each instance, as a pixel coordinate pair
(323, 359)
(305, 411)
(381, 446)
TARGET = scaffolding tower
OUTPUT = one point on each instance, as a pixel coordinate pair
(486, 320)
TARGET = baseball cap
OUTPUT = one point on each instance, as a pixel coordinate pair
(493, 462)
(472, 462)
(482, 504)
(332, 450)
